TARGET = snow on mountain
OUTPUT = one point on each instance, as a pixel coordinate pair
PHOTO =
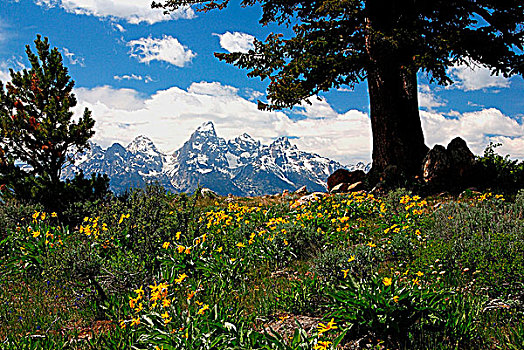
(241, 166)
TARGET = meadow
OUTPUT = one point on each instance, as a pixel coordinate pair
(151, 270)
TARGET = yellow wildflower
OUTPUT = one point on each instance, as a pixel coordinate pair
(371, 244)
(165, 245)
(203, 309)
(53, 215)
(177, 235)
(240, 245)
(181, 248)
(322, 328)
(351, 258)
(322, 345)
(135, 321)
(36, 234)
(180, 278)
(345, 272)
(420, 274)
(190, 295)
(387, 281)
(395, 298)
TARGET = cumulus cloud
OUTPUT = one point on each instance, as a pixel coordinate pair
(167, 49)
(476, 77)
(146, 79)
(427, 99)
(170, 116)
(73, 58)
(14, 63)
(236, 41)
(132, 11)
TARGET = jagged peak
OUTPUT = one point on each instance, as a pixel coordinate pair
(206, 127)
(141, 143)
(282, 142)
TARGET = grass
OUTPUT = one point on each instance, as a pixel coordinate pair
(160, 271)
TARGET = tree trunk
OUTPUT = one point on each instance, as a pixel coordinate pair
(395, 120)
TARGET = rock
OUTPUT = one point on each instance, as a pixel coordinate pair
(357, 186)
(315, 196)
(230, 198)
(345, 176)
(208, 193)
(449, 168)
(340, 188)
(302, 190)
(285, 193)
(462, 160)
(436, 165)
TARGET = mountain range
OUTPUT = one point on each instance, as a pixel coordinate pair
(241, 166)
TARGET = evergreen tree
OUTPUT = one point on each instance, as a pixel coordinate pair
(37, 126)
(387, 42)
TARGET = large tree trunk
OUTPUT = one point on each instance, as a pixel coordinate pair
(395, 120)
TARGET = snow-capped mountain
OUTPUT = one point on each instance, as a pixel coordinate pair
(241, 166)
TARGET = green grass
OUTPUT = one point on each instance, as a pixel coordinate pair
(153, 270)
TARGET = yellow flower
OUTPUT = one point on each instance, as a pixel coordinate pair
(187, 251)
(417, 232)
(165, 245)
(351, 258)
(240, 245)
(135, 321)
(132, 302)
(177, 235)
(420, 274)
(203, 309)
(166, 303)
(139, 292)
(36, 215)
(395, 298)
(42, 217)
(322, 328)
(371, 244)
(219, 249)
(416, 281)
(157, 348)
(190, 295)
(36, 234)
(53, 215)
(180, 278)
(139, 308)
(180, 248)
(322, 345)
(123, 324)
(345, 272)
(387, 281)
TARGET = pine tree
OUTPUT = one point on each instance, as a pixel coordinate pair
(37, 126)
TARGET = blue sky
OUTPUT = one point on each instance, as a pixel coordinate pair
(142, 72)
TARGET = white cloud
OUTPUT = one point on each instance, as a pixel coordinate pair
(236, 42)
(167, 49)
(14, 63)
(427, 99)
(73, 58)
(170, 116)
(476, 77)
(119, 27)
(478, 128)
(146, 79)
(132, 11)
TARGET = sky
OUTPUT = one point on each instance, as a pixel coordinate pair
(142, 72)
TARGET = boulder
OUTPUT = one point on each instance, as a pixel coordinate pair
(345, 176)
(357, 186)
(302, 190)
(436, 165)
(208, 193)
(315, 196)
(340, 188)
(450, 168)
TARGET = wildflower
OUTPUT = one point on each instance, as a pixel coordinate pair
(282, 318)
(345, 272)
(36, 234)
(187, 251)
(123, 324)
(157, 348)
(420, 274)
(42, 217)
(139, 308)
(135, 321)
(177, 235)
(371, 244)
(36, 215)
(166, 303)
(132, 302)
(395, 298)
(54, 215)
(322, 345)
(203, 309)
(180, 278)
(139, 292)
(387, 281)
(181, 248)
(240, 245)
(415, 281)
(166, 317)
(351, 258)
(219, 249)
(190, 295)
(322, 328)
(417, 232)
(165, 245)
